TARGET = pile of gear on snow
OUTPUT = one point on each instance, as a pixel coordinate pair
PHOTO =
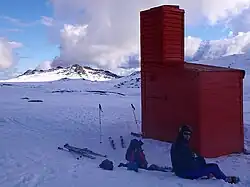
(185, 163)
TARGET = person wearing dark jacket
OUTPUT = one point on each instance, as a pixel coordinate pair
(189, 165)
(135, 154)
(137, 159)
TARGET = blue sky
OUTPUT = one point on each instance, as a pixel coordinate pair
(20, 22)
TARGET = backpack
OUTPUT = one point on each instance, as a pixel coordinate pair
(134, 144)
(135, 153)
(107, 165)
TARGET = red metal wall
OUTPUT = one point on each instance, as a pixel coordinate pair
(169, 99)
(209, 101)
(162, 35)
(174, 92)
(162, 46)
(221, 113)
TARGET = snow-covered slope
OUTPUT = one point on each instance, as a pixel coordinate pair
(131, 81)
(68, 113)
(73, 72)
(240, 61)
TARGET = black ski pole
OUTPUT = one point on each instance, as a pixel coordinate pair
(100, 122)
(133, 109)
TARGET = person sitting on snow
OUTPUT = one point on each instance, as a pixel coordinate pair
(135, 156)
(137, 159)
(189, 165)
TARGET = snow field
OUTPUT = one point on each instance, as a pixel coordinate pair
(31, 132)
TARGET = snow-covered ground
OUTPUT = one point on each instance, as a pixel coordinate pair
(31, 132)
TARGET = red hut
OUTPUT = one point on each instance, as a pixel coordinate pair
(208, 98)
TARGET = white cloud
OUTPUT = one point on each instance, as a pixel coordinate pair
(80, 43)
(192, 44)
(46, 65)
(212, 10)
(199, 50)
(9, 30)
(48, 21)
(15, 45)
(9, 73)
(7, 56)
(105, 33)
(240, 23)
(19, 22)
(44, 20)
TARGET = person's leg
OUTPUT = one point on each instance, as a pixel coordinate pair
(142, 166)
(220, 175)
(215, 171)
(206, 171)
(195, 174)
(154, 167)
(123, 165)
(127, 165)
(132, 166)
(201, 161)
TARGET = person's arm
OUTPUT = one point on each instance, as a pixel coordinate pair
(187, 157)
(143, 157)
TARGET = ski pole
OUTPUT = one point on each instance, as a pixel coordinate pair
(100, 123)
(133, 109)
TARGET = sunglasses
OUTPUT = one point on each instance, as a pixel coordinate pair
(187, 133)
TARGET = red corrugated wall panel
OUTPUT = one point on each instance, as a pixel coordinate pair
(173, 35)
(162, 35)
(171, 99)
(221, 113)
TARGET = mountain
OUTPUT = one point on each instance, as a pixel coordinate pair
(60, 73)
(197, 49)
(231, 51)
(131, 81)
(239, 61)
